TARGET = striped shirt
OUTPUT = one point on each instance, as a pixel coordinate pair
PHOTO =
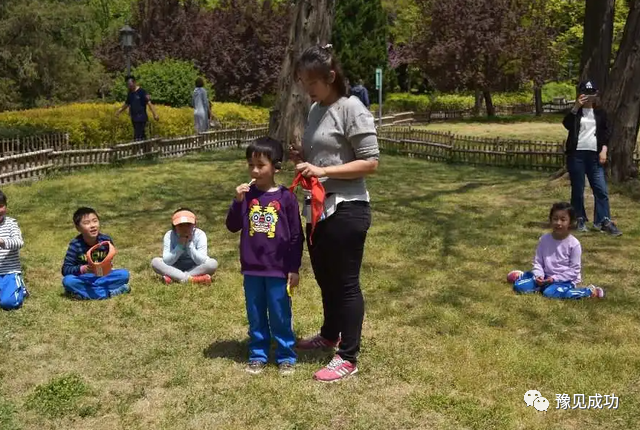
(10, 251)
(77, 254)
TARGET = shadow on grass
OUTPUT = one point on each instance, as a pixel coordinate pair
(238, 351)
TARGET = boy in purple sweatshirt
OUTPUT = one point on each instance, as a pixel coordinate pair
(270, 255)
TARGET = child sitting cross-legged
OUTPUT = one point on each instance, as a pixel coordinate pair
(557, 263)
(79, 280)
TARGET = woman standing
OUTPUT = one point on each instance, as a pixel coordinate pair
(201, 106)
(340, 147)
(586, 150)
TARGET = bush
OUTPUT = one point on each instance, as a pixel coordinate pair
(169, 82)
(403, 102)
(95, 123)
(558, 89)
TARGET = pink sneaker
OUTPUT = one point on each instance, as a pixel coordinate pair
(167, 280)
(596, 292)
(336, 370)
(316, 342)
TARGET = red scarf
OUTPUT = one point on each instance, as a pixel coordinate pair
(317, 197)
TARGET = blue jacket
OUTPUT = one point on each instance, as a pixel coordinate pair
(362, 93)
(76, 254)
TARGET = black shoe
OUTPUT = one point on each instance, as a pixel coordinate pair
(581, 226)
(609, 227)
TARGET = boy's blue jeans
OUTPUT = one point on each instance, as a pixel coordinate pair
(269, 313)
(93, 287)
(526, 284)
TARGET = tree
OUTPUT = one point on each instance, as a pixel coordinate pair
(472, 44)
(311, 23)
(621, 99)
(538, 53)
(597, 42)
(237, 45)
(359, 36)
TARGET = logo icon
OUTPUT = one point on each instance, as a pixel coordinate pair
(535, 399)
(530, 396)
(541, 404)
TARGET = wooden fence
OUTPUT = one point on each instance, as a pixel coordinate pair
(454, 148)
(36, 156)
(458, 114)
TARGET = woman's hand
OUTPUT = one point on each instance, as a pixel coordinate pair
(581, 100)
(309, 170)
(603, 156)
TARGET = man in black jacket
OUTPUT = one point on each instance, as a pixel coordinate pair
(586, 149)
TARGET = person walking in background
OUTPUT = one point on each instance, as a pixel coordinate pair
(361, 92)
(201, 106)
(586, 150)
(137, 102)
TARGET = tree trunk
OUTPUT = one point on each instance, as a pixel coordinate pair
(477, 107)
(311, 24)
(597, 41)
(491, 110)
(621, 99)
(537, 96)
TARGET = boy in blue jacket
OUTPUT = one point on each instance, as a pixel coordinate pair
(79, 281)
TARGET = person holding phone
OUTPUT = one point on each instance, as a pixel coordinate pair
(586, 149)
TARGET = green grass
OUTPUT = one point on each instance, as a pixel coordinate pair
(547, 128)
(446, 344)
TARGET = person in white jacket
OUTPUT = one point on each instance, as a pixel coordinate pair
(184, 256)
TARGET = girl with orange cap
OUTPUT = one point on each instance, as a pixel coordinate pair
(184, 256)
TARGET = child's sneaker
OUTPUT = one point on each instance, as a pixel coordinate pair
(167, 279)
(336, 370)
(316, 342)
(200, 279)
(287, 368)
(255, 367)
(596, 292)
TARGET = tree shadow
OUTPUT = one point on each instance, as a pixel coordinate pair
(238, 351)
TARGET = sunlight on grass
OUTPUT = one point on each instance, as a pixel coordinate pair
(446, 343)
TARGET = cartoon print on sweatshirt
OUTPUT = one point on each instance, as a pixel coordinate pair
(263, 219)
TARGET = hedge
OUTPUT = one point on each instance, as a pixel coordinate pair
(95, 123)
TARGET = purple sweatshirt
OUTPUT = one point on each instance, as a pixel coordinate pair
(559, 259)
(271, 241)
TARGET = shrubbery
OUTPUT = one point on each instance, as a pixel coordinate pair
(168, 82)
(95, 123)
(404, 102)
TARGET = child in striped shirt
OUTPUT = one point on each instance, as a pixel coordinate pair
(12, 288)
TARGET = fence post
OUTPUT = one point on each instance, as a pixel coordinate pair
(450, 151)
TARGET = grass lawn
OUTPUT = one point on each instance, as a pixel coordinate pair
(446, 343)
(548, 128)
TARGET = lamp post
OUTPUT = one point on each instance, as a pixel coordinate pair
(126, 40)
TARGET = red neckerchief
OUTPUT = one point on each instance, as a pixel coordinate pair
(317, 197)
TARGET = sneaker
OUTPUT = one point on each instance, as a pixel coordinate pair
(336, 370)
(200, 279)
(167, 279)
(596, 292)
(316, 342)
(287, 368)
(581, 226)
(609, 227)
(255, 367)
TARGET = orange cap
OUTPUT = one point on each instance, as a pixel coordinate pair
(183, 217)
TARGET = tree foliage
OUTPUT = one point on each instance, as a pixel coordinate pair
(169, 82)
(238, 45)
(360, 38)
